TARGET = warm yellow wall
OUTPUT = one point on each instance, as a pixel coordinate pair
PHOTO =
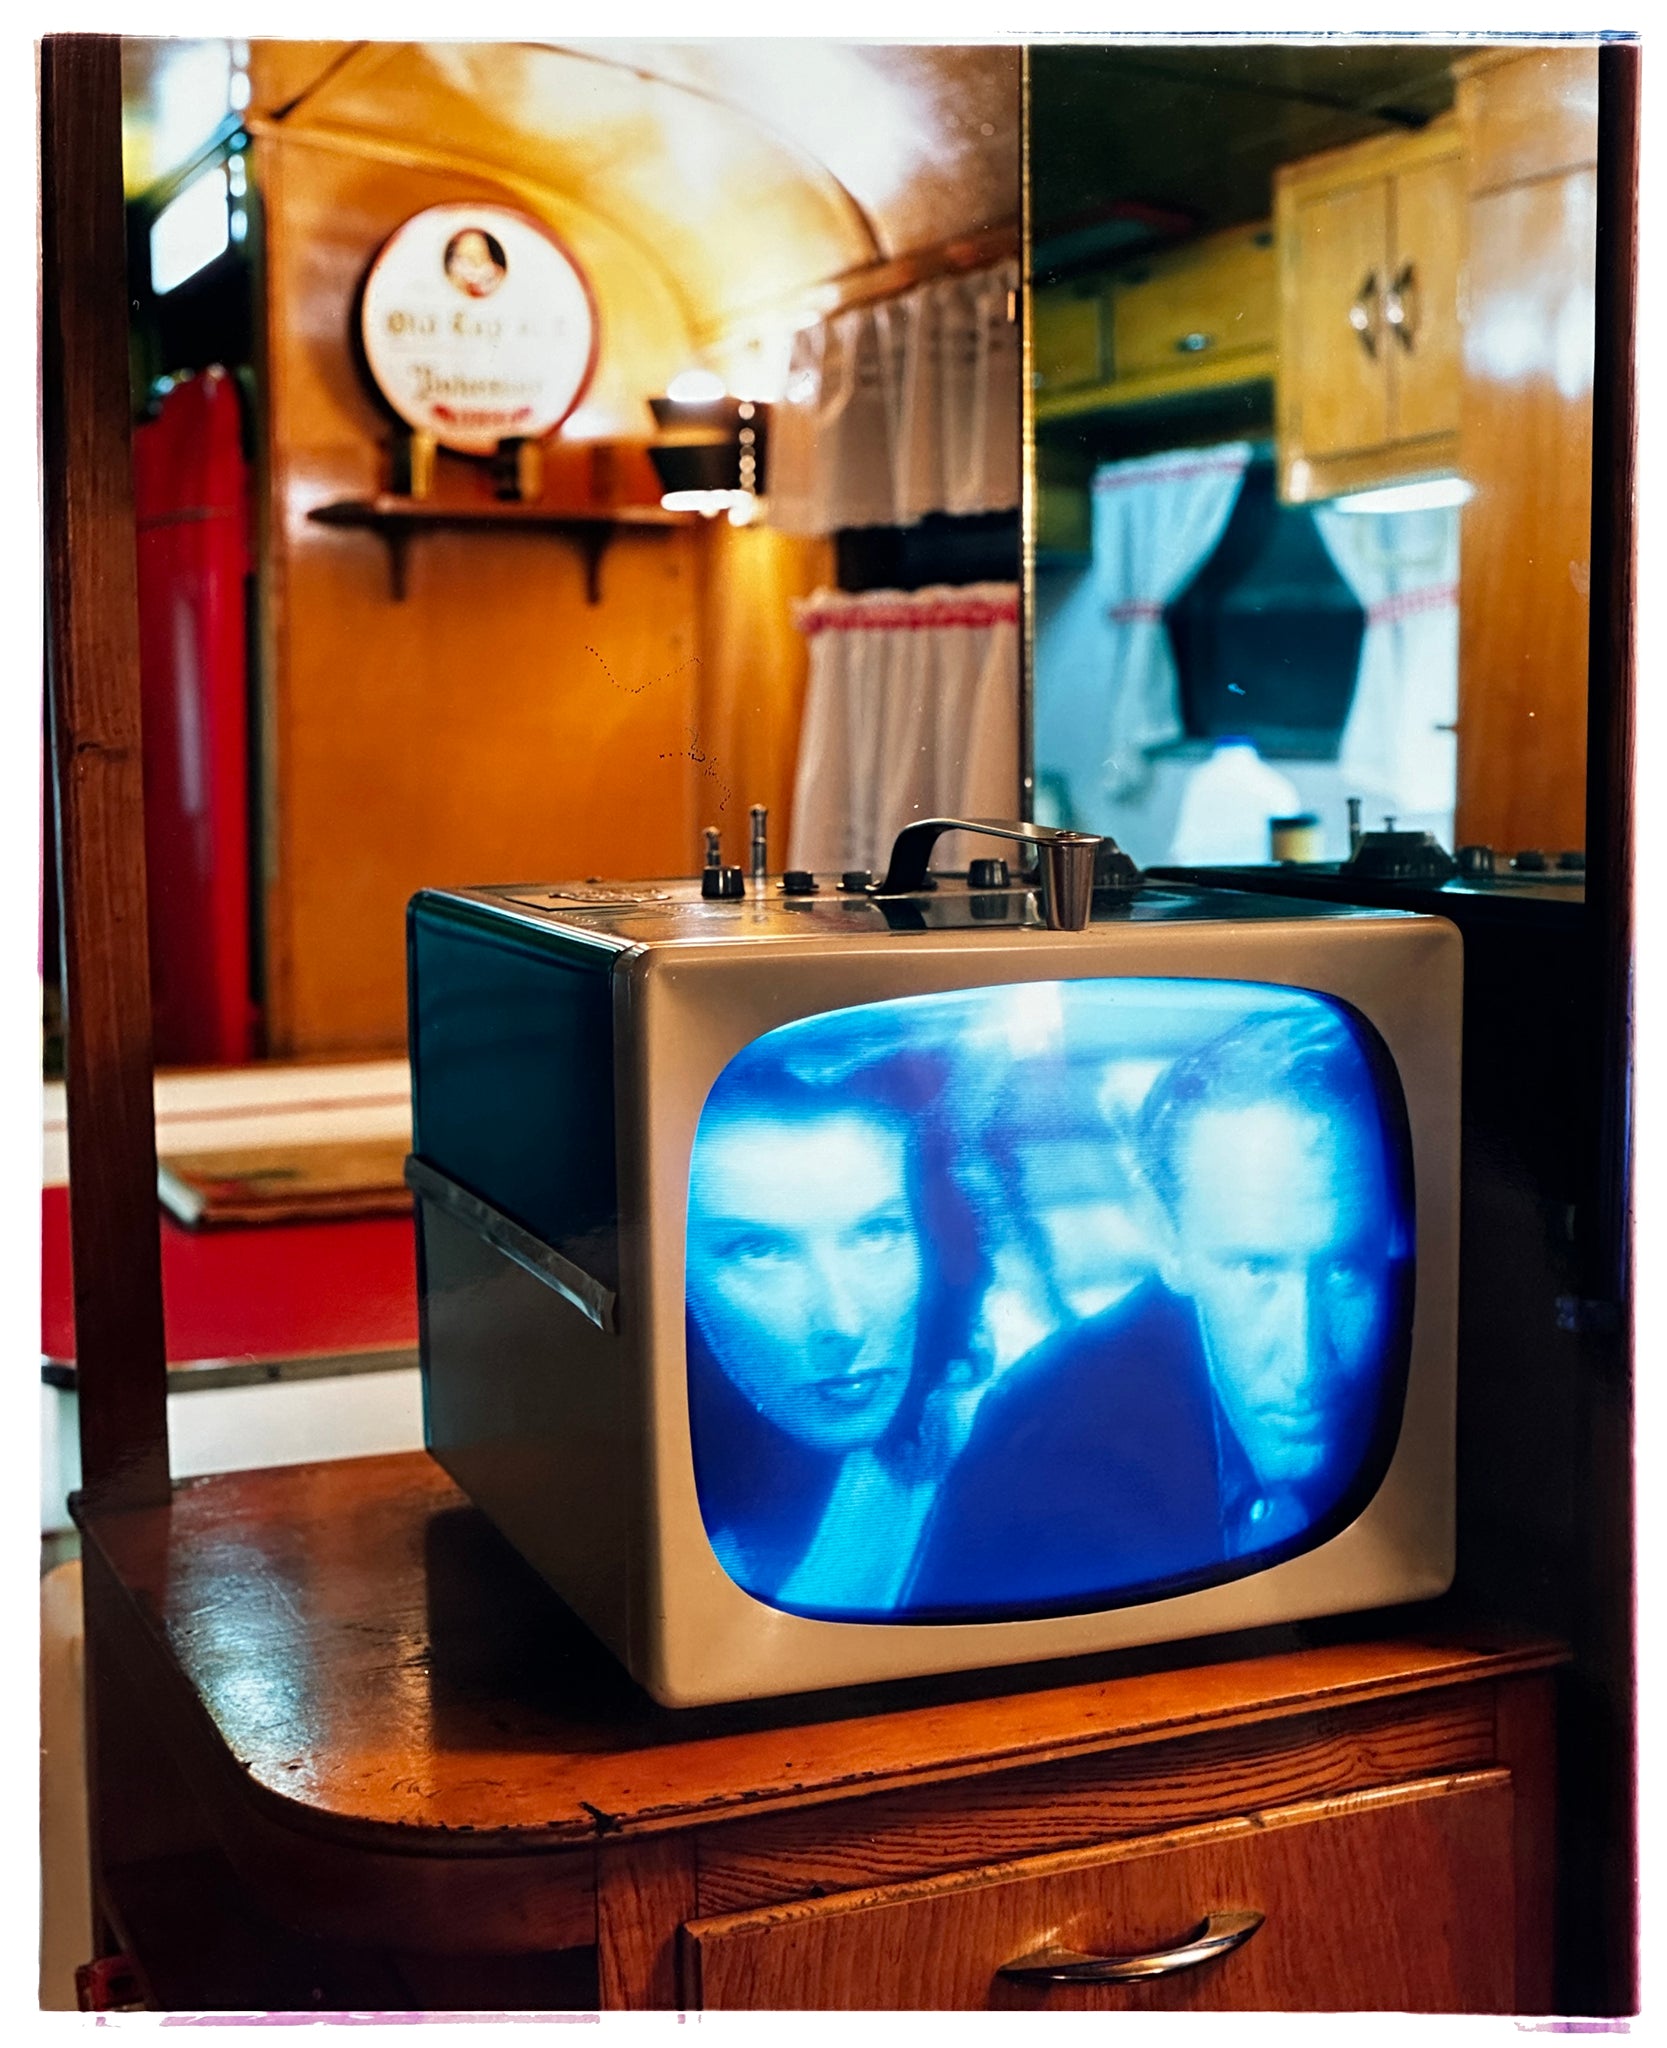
(492, 727)
(752, 675)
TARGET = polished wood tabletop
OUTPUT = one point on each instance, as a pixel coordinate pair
(378, 1660)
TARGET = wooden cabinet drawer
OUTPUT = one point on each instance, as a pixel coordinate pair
(1400, 1899)
(1214, 298)
(1067, 334)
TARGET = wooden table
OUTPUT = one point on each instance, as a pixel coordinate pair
(360, 1756)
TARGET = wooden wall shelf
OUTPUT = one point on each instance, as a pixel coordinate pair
(395, 521)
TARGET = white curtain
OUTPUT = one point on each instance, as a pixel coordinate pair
(1074, 639)
(911, 711)
(899, 409)
(1155, 521)
(795, 477)
(1404, 569)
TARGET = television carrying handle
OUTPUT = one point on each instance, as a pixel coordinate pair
(1065, 882)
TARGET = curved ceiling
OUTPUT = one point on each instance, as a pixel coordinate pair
(749, 170)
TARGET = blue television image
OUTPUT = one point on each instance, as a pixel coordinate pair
(1036, 1299)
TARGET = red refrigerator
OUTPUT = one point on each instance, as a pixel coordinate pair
(192, 499)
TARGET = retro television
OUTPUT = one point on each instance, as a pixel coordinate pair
(826, 1282)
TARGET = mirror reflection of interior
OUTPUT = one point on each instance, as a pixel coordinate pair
(1312, 331)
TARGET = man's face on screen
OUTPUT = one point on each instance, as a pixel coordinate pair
(1283, 1229)
(805, 1270)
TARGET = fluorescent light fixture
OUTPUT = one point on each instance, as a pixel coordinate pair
(1433, 495)
(695, 387)
(190, 231)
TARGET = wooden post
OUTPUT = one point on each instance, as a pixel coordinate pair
(1609, 762)
(92, 639)
(1600, 1853)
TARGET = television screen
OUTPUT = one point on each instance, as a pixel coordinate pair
(1035, 1299)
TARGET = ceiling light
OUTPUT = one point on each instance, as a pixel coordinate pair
(1433, 495)
(190, 231)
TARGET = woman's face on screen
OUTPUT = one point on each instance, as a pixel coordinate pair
(804, 1270)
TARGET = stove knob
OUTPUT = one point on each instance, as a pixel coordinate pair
(987, 874)
(1476, 862)
(798, 882)
(855, 880)
(722, 884)
(1572, 863)
(1529, 862)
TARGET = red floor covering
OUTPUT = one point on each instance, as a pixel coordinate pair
(282, 1290)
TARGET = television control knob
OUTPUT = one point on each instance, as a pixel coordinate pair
(856, 880)
(1477, 862)
(987, 874)
(1571, 863)
(798, 882)
(723, 884)
(1529, 862)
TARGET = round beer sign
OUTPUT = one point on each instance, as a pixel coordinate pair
(478, 327)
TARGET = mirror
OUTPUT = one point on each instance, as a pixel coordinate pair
(1311, 377)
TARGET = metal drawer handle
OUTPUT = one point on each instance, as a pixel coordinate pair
(1401, 307)
(1219, 1935)
(1363, 313)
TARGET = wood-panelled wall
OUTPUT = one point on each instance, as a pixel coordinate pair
(493, 726)
(1530, 128)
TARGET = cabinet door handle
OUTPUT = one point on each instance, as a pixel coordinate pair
(1400, 306)
(1363, 314)
(1218, 1935)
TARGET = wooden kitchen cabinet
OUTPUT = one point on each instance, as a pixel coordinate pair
(1370, 247)
(360, 1757)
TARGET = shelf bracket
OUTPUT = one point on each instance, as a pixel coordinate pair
(595, 545)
